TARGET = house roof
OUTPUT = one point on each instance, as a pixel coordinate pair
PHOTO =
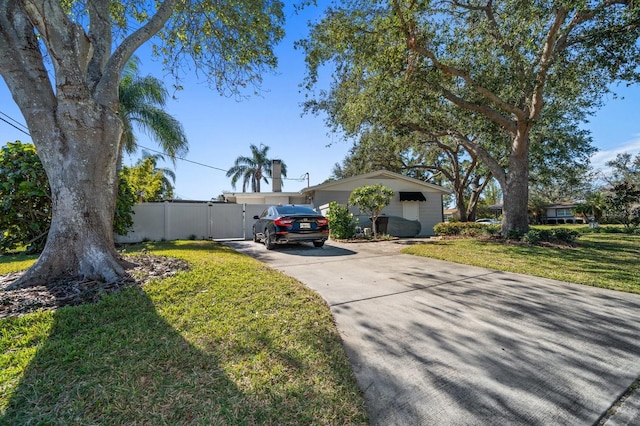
(263, 197)
(564, 205)
(380, 174)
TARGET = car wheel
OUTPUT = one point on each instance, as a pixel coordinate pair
(268, 241)
(318, 243)
(255, 237)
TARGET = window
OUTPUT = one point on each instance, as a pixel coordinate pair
(564, 213)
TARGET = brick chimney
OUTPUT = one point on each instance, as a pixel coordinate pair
(276, 171)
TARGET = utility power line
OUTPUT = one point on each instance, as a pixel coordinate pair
(206, 165)
(15, 126)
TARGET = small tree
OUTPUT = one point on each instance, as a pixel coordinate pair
(623, 204)
(371, 199)
(149, 182)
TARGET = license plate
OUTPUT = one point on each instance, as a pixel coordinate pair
(304, 225)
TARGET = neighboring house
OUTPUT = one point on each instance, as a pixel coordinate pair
(450, 214)
(561, 213)
(494, 209)
(413, 199)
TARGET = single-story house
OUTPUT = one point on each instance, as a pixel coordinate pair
(413, 199)
(561, 213)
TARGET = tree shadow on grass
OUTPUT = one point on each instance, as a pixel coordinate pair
(120, 361)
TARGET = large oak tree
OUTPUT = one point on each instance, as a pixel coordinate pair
(73, 116)
(508, 79)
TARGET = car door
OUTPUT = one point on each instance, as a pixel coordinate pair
(260, 224)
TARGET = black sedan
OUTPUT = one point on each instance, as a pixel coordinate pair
(290, 224)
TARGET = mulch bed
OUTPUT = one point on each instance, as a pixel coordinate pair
(80, 291)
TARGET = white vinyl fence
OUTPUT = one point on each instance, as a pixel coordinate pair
(182, 221)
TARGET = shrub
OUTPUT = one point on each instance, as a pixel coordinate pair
(564, 235)
(558, 235)
(342, 224)
(514, 234)
(536, 236)
(468, 229)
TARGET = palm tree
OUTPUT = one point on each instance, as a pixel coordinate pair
(141, 103)
(253, 169)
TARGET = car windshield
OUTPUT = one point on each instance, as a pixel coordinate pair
(286, 210)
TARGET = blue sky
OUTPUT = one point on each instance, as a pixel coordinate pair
(219, 129)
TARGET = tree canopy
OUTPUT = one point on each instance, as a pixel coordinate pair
(73, 117)
(142, 102)
(509, 80)
(254, 169)
(148, 181)
(624, 168)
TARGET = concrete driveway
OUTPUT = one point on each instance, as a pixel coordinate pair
(435, 342)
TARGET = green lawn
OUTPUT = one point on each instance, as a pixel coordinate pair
(229, 342)
(602, 260)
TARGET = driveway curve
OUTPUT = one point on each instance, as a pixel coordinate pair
(434, 342)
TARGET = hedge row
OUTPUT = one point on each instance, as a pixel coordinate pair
(533, 236)
(466, 229)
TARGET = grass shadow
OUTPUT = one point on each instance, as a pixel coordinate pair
(227, 342)
(119, 362)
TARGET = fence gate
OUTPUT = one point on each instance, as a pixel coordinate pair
(227, 221)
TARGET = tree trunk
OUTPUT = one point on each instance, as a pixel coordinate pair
(472, 207)
(81, 166)
(461, 205)
(516, 186)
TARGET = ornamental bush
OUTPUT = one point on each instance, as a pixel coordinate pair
(467, 229)
(342, 224)
(558, 235)
(536, 236)
(25, 200)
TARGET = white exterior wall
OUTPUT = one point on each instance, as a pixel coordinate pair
(325, 197)
(430, 211)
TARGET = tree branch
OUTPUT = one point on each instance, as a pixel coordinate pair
(547, 57)
(496, 169)
(411, 37)
(100, 36)
(108, 85)
(67, 45)
(22, 66)
(485, 110)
